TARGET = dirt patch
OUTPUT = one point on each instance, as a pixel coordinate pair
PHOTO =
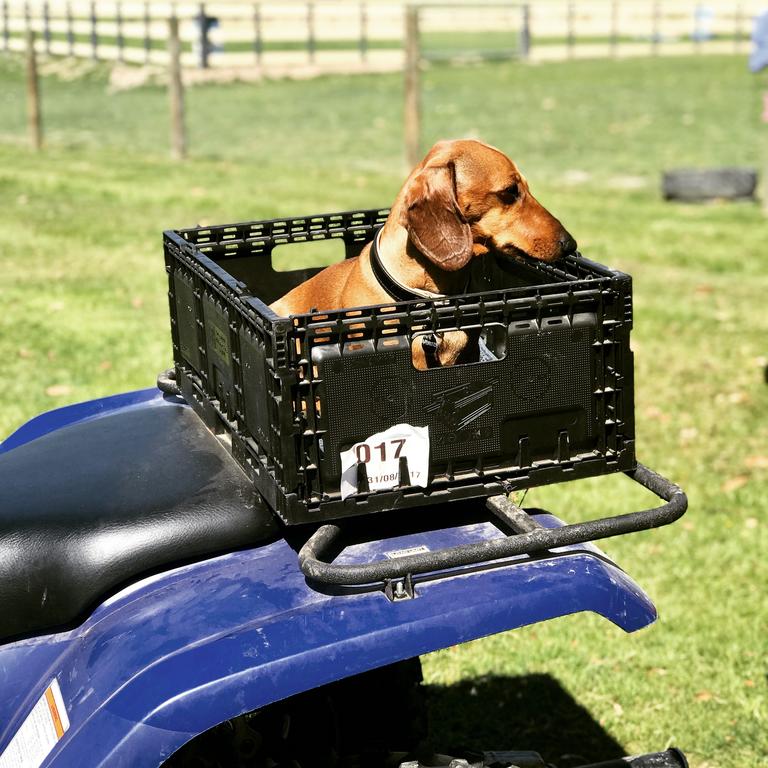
(124, 78)
(67, 68)
(627, 182)
(574, 177)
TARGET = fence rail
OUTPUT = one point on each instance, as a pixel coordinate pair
(369, 34)
(233, 35)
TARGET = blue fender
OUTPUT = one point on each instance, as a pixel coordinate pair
(181, 651)
(58, 418)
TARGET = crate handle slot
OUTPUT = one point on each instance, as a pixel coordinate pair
(537, 539)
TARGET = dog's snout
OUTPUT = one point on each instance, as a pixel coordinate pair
(567, 244)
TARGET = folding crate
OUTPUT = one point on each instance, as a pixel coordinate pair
(553, 401)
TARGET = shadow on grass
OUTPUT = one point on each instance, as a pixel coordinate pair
(531, 712)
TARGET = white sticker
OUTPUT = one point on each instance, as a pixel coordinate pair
(39, 733)
(382, 453)
(420, 549)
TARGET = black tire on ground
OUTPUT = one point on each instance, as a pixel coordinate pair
(694, 184)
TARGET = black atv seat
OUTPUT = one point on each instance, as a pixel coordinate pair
(98, 504)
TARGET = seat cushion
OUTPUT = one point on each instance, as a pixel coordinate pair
(95, 505)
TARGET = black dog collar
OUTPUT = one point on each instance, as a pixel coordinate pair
(400, 292)
(397, 291)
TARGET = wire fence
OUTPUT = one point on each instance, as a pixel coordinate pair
(240, 35)
(332, 36)
(189, 37)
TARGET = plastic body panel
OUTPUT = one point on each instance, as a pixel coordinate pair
(556, 404)
(70, 414)
(171, 656)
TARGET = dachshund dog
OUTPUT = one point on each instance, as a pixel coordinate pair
(463, 200)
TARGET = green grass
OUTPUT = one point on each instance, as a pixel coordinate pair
(84, 314)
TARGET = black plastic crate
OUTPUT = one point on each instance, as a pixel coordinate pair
(556, 404)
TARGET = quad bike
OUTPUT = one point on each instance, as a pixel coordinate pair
(169, 597)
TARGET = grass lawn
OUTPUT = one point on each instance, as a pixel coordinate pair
(83, 313)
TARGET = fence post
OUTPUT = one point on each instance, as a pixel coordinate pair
(311, 31)
(147, 33)
(5, 25)
(614, 29)
(737, 28)
(94, 36)
(258, 45)
(363, 32)
(571, 34)
(412, 86)
(202, 40)
(120, 38)
(70, 29)
(34, 113)
(176, 92)
(525, 32)
(697, 31)
(47, 26)
(656, 28)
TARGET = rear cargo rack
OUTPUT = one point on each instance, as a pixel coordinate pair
(530, 538)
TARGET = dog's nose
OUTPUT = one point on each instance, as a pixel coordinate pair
(567, 244)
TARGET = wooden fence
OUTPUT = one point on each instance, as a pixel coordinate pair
(332, 36)
(593, 28)
(244, 35)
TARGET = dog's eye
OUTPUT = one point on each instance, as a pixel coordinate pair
(510, 194)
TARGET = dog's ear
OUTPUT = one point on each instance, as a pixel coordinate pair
(432, 217)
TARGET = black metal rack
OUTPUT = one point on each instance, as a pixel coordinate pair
(529, 538)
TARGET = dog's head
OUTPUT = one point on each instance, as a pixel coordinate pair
(466, 198)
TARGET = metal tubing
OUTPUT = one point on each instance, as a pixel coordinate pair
(515, 517)
(538, 540)
(167, 384)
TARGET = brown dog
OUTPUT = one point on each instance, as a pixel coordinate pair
(463, 200)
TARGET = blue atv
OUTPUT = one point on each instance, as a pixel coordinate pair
(183, 581)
